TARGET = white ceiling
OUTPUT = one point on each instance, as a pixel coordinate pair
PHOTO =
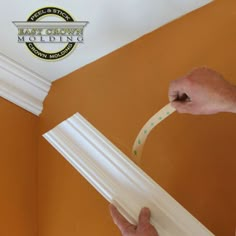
(112, 25)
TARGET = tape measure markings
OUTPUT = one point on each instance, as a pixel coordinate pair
(147, 128)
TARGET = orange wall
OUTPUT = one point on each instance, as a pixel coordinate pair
(17, 171)
(192, 157)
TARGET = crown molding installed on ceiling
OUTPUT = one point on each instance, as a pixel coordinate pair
(22, 86)
(119, 180)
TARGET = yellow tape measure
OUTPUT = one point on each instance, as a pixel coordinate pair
(147, 128)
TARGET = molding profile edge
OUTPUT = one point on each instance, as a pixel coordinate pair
(119, 180)
(21, 86)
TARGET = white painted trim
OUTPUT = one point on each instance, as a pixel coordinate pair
(22, 86)
(119, 180)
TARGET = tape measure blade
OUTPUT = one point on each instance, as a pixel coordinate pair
(147, 128)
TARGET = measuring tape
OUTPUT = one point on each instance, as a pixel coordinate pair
(147, 128)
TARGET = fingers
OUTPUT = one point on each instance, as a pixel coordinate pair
(144, 216)
(173, 91)
(119, 220)
(178, 90)
(184, 107)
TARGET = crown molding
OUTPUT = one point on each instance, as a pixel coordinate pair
(119, 180)
(22, 86)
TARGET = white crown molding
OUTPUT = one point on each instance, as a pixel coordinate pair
(119, 180)
(22, 86)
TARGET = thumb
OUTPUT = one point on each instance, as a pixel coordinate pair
(144, 216)
(182, 107)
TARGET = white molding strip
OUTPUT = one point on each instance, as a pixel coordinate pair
(22, 86)
(119, 180)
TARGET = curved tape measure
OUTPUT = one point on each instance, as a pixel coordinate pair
(147, 128)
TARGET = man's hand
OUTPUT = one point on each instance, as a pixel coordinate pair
(202, 91)
(144, 228)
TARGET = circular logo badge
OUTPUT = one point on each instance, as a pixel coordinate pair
(36, 16)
